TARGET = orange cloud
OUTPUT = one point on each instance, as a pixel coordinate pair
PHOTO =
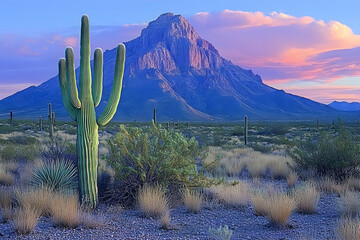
(278, 46)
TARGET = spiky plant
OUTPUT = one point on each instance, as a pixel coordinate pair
(81, 107)
(55, 175)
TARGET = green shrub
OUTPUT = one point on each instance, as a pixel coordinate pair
(58, 149)
(222, 233)
(11, 152)
(22, 139)
(55, 175)
(153, 156)
(335, 154)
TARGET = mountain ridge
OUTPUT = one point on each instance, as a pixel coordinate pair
(170, 67)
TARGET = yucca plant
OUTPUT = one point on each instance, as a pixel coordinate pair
(56, 175)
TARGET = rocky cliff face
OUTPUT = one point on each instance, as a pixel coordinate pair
(170, 67)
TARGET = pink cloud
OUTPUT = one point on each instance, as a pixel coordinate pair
(278, 46)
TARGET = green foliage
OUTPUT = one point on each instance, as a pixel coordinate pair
(154, 156)
(22, 139)
(55, 175)
(335, 154)
(58, 149)
(12, 152)
(222, 233)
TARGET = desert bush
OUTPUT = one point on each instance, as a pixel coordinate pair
(221, 233)
(22, 139)
(192, 200)
(152, 201)
(349, 204)
(153, 156)
(330, 154)
(307, 198)
(58, 149)
(11, 152)
(64, 210)
(26, 219)
(55, 175)
(348, 229)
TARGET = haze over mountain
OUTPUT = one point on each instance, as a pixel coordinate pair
(345, 106)
(173, 69)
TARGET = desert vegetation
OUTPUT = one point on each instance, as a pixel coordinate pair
(164, 179)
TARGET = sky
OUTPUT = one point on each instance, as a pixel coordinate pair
(305, 47)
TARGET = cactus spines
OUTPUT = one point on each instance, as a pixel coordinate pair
(11, 118)
(40, 124)
(154, 115)
(246, 130)
(81, 107)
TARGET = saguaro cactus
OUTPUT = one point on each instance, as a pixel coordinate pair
(82, 107)
(11, 118)
(51, 118)
(40, 124)
(155, 115)
(246, 130)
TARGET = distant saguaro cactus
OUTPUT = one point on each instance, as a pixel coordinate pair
(155, 115)
(51, 119)
(246, 130)
(40, 124)
(11, 118)
(82, 107)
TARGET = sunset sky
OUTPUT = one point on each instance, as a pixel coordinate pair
(306, 47)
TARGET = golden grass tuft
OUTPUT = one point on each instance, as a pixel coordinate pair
(165, 220)
(5, 198)
(292, 178)
(280, 207)
(328, 185)
(259, 200)
(236, 196)
(353, 184)
(64, 209)
(26, 219)
(38, 199)
(348, 229)
(6, 178)
(307, 198)
(192, 200)
(349, 204)
(152, 201)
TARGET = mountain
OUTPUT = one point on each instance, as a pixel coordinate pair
(345, 106)
(170, 67)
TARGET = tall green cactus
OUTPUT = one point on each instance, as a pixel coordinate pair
(82, 107)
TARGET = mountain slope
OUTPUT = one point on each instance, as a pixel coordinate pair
(171, 68)
(345, 106)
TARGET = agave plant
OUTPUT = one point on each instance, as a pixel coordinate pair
(56, 175)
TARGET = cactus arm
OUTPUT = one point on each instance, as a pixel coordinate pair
(113, 102)
(85, 70)
(64, 90)
(70, 77)
(98, 77)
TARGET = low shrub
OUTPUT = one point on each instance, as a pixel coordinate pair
(307, 198)
(334, 155)
(11, 152)
(221, 233)
(153, 156)
(349, 204)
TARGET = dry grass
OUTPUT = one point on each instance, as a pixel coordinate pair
(6, 178)
(192, 200)
(152, 201)
(277, 207)
(256, 168)
(348, 229)
(328, 185)
(35, 198)
(349, 204)
(278, 168)
(26, 219)
(7, 214)
(64, 209)
(292, 178)
(235, 196)
(165, 220)
(307, 198)
(5, 198)
(353, 184)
